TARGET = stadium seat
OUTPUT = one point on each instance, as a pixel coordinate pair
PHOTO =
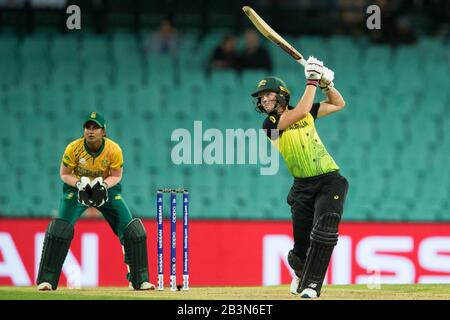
(390, 144)
(36, 45)
(95, 47)
(65, 48)
(65, 73)
(313, 46)
(10, 46)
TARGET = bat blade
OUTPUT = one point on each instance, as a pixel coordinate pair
(272, 35)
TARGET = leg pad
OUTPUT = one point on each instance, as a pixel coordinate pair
(324, 237)
(135, 246)
(57, 241)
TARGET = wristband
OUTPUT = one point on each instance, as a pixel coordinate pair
(312, 82)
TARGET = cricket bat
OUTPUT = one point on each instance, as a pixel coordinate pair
(272, 35)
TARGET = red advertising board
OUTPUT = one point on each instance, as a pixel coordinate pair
(235, 253)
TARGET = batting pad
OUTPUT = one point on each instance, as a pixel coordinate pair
(57, 241)
(324, 237)
(135, 246)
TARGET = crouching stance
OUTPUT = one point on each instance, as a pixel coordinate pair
(91, 170)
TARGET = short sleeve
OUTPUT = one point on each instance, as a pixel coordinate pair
(68, 158)
(271, 124)
(117, 158)
(315, 109)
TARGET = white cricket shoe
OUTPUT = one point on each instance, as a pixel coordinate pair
(144, 286)
(44, 286)
(294, 284)
(147, 286)
(308, 293)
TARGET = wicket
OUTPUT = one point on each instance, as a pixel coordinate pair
(173, 237)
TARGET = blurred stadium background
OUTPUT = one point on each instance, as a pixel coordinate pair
(392, 141)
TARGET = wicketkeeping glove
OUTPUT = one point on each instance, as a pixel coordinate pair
(99, 194)
(84, 190)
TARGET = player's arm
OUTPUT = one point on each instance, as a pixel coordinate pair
(334, 102)
(116, 168)
(67, 176)
(313, 73)
(114, 177)
(300, 111)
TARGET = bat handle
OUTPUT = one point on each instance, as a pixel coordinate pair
(302, 61)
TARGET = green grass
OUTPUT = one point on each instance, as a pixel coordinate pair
(354, 292)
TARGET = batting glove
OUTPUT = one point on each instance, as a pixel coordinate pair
(313, 70)
(326, 82)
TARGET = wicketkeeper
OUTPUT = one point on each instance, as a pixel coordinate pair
(318, 193)
(91, 170)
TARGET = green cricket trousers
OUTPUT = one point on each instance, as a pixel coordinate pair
(115, 210)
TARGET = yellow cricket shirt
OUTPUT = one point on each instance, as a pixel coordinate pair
(300, 145)
(85, 163)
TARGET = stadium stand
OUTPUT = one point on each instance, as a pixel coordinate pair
(391, 144)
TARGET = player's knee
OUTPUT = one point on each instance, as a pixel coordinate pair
(60, 228)
(325, 230)
(134, 231)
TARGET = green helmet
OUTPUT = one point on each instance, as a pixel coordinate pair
(272, 84)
